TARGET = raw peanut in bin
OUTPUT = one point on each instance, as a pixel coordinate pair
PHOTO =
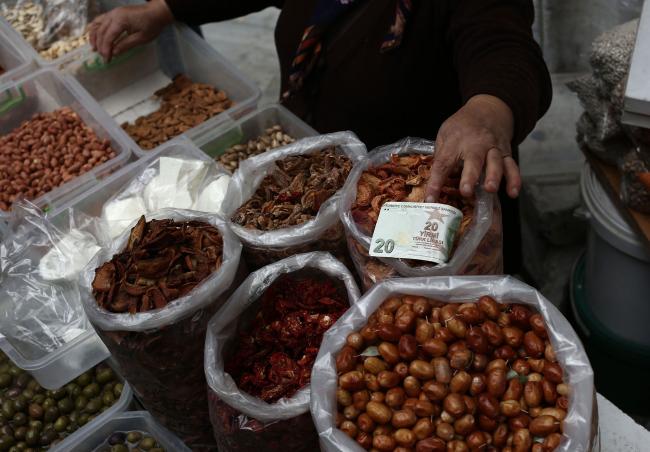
(457, 393)
(45, 152)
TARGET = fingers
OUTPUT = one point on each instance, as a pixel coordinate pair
(100, 31)
(472, 169)
(513, 177)
(92, 31)
(493, 170)
(110, 34)
(444, 161)
(128, 42)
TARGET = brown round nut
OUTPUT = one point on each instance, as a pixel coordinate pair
(355, 340)
(435, 347)
(405, 437)
(365, 423)
(460, 382)
(533, 345)
(465, 425)
(454, 404)
(489, 307)
(395, 397)
(346, 361)
(423, 428)
(404, 418)
(349, 428)
(379, 412)
(544, 425)
(389, 352)
(421, 370)
(431, 445)
(407, 347)
(374, 365)
(352, 381)
(383, 443)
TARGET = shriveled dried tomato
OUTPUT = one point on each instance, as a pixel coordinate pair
(274, 356)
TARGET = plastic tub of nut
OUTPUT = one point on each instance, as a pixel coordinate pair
(47, 91)
(125, 87)
(217, 141)
(95, 8)
(15, 56)
(133, 421)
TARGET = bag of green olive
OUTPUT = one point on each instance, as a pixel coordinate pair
(160, 349)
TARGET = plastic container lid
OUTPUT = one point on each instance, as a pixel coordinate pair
(607, 220)
(125, 86)
(140, 421)
(15, 56)
(216, 141)
(45, 91)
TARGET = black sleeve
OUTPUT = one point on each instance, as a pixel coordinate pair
(494, 53)
(198, 12)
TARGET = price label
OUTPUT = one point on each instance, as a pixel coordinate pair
(410, 230)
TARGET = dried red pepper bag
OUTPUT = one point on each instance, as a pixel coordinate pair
(389, 174)
(260, 347)
(168, 279)
(284, 202)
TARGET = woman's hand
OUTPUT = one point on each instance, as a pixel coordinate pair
(478, 135)
(123, 28)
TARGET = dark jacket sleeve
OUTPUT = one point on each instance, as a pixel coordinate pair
(494, 53)
(198, 12)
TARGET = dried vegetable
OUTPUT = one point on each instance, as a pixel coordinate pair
(272, 138)
(163, 260)
(33, 418)
(294, 192)
(403, 178)
(429, 376)
(47, 151)
(184, 105)
(274, 356)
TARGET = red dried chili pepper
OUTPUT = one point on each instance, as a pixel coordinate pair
(274, 356)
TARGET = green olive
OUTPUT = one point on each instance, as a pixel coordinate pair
(23, 380)
(6, 442)
(119, 448)
(5, 380)
(61, 423)
(48, 436)
(20, 419)
(15, 371)
(48, 403)
(34, 386)
(35, 411)
(92, 390)
(33, 436)
(28, 394)
(80, 402)
(108, 399)
(147, 443)
(133, 437)
(65, 406)
(8, 408)
(20, 433)
(38, 398)
(36, 425)
(51, 414)
(117, 390)
(93, 406)
(58, 394)
(83, 419)
(105, 375)
(74, 417)
(84, 379)
(6, 430)
(21, 403)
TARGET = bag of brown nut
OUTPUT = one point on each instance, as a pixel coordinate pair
(454, 364)
(399, 172)
(260, 348)
(284, 202)
(149, 296)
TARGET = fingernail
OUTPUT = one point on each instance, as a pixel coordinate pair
(467, 188)
(490, 185)
(429, 199)
(514, 192)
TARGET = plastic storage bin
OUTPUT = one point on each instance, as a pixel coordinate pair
(97, 7)
(125, 86)
(45, 91)
(215, 142)
(140, 421)
(15, 56)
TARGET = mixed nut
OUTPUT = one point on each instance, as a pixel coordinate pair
(294, 191)
(46, 151)
(272, 138)
(134, 441)
(35, 419)
(184, 105)
(29, 20)
(163, 260)
(423, 375)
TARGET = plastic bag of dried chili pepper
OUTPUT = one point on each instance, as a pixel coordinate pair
(457, 327)
(150, 295)
(260, 348)
(399, 172)
(284, 202)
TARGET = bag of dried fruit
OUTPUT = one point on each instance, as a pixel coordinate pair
(399, 172)
(284, 202)
(260, 348)
(150, 295)
(454, 363)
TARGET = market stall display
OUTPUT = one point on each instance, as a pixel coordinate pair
(284, 202)
(134, 430)
(260, 348)
(149, 295)
(399, 172)
(183, 105)
(449, 363)
(33, 417)
(177, 85)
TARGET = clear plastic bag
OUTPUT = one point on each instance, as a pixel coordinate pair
(611, 53)
(610, 150)
(605, 116)
(240, 421)
(160, 352)
(479, 251)
(635, 180)
(581, 423)
(322, 233)
(37, 315)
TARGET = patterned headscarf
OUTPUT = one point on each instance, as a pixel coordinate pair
(324, 16)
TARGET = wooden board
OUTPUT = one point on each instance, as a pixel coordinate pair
(610, 177)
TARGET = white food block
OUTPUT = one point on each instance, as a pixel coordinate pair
(120, 213)
(212, 196)
(69, 256)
